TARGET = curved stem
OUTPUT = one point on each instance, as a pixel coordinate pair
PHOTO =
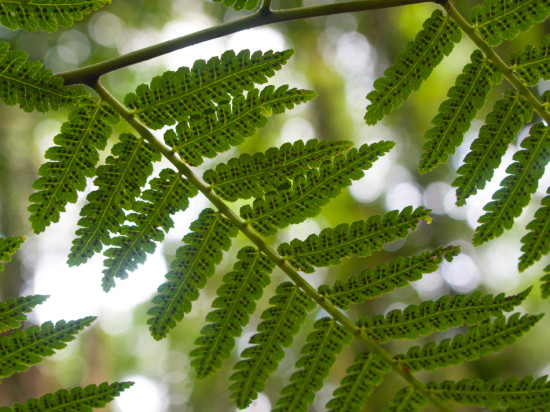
(89, 74)
(251, 234)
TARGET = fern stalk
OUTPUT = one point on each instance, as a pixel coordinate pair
(266, 249)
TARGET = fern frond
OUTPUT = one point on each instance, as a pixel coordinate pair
(24, 348)
(254, 175)
(216, 130)
(29, 85)
(407, 400)
(429, 317)
(318, 355)
(280, 322)
(195, 262)
(501, 128)
(12, 311)
(240, 4)
(290, 205)
(517, 187)
(45, 15)
(177, 96)
(533, 63)
(361, 238)
(118, 183)
(480, 340)
(455, 115)
(8, 246)
(365, 374)
(536, 243)
(495, 393)
(169, 193)
(413, 66)
(235, 303)
(71, 161)
(77, 399)
(498, 20)
(545, 285)
(383, 278)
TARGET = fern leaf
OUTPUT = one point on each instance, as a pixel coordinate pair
(536, 243)
(235, 303)
(118, 183)
(45, 15)
(177, 96)
(447, 312)
(71, 161)
(29, 85)
(517, 187)
(8, 246)
(77, 399)
(216, 130)
(466, 97)
(501, 128)
(494, 393)
(383, 278)
(12, 311)
(169, 193)
(24, 348)
(480, 340)
(280, 323)
(533, 63)
(361, 238)
(407, 400)
(498, 20)
(318, 355)
(253, 175)
(545, 285)
(413, 66)
(195, 262)
(290, 205)
(240, 4)
(365, 374)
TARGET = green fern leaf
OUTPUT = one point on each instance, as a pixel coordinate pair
(119, 183)
(45, 15)
(71, 161)
(254, 175)
(279, 324)
(517, 187)
(195, 262)
(545, 285)
(24, 348)
(235, 303)
(407, 400)
(216, 130)
(413, 66)
(429, 317)
(501, 128)
(372, 283)
(498, 20)
(169, 193)
(290, 205)
(178, 96)
(480, 340)
(494, 393)
(533, 63)
(536, 243)
(77, 399)
(240, 4)
(365, 374)
(361, 238)
(318, 355)
(29, 85)
(466, 97)
(8, 246)
(12, 311)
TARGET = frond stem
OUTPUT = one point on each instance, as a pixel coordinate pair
(251, 234)
(89, 74)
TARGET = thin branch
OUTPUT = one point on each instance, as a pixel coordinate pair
(251, 234)
(89, 74)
